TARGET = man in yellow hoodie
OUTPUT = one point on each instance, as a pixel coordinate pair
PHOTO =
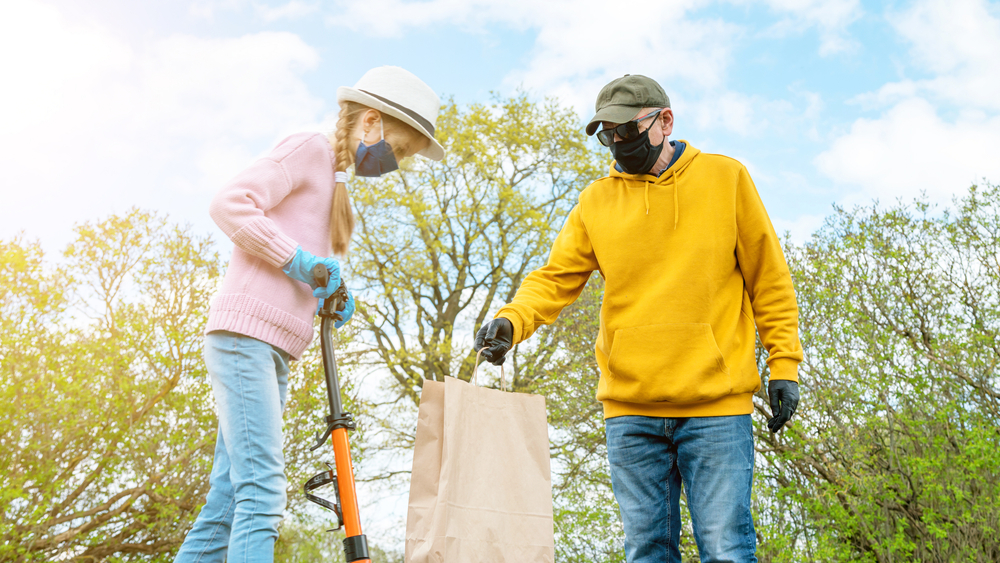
(691, 266)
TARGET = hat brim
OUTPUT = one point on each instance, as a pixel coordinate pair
(612, 114)
(434, 150)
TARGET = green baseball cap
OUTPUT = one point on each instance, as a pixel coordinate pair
(623, 97)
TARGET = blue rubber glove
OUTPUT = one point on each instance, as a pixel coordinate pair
(300, 268)
(347, 312)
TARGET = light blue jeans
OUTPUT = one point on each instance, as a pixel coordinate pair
(239, 522)
(713, 457)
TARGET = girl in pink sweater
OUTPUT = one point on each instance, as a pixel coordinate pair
(286, 213)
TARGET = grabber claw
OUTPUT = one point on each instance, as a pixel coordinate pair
(319, 480)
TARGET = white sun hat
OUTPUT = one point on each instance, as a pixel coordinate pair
(399, 93)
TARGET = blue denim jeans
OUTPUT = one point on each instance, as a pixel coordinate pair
(239, 522)
(712, 456)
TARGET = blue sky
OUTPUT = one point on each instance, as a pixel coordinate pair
(114, 103)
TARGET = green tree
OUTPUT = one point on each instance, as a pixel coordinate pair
(895, 452)
(440, 244)
(108, 416)
(102, 394)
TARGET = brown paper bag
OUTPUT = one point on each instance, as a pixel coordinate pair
(481, 490)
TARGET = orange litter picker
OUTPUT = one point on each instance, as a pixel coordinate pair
(338, 423)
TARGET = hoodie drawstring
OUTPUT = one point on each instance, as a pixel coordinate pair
(677, 211)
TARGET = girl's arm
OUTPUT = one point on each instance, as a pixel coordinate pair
(238, 209)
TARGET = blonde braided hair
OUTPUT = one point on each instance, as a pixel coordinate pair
(341, 213)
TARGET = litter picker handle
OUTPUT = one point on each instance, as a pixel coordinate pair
(328, 314)
(321, 275)
(335, 302)
(337, 424)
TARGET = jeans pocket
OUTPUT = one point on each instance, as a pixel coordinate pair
(673, 363)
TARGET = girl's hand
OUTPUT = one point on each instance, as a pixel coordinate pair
(300, 268)
(347, 312)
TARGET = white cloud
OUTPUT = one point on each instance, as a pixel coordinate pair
(939, 134)
(292, 10)
(242, 87)
(390, 18)
(579, 49)
(947, 35)
(799, 229)
(207, 9)
(911, 149)
(97, 125)
(745, 115)
(725, 110)
(830, 17)
(46, 62)
(958, 42)
(580, 45)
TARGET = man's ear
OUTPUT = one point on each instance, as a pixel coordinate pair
(667, 121)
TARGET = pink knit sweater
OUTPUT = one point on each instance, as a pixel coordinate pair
(279, 202)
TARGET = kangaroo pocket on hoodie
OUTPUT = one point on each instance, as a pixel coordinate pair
(673, 363)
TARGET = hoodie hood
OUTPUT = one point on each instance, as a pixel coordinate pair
(669, 179)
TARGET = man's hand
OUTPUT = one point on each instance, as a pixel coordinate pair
(784, 397)
(496, 336)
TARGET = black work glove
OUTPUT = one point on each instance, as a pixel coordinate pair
(784, 397)
(496, 336)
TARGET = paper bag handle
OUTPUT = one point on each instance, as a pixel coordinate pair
(475, 371)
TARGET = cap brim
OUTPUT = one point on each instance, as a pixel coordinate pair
(434, 150)
(612, 114)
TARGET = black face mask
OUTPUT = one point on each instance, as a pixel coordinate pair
(636, 156)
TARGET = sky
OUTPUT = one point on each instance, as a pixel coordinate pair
(109, 104)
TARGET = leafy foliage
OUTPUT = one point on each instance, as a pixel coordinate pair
(106, 404)
(102, 390)
(895, 453)
(441, 243)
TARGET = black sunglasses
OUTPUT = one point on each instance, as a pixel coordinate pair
(627, 131)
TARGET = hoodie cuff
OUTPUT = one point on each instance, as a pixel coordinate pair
(786, 369)
(515, 322)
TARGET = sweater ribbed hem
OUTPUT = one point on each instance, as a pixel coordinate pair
(730, 405)
(245, 315)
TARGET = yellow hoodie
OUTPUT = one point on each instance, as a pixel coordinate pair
(690, 261)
